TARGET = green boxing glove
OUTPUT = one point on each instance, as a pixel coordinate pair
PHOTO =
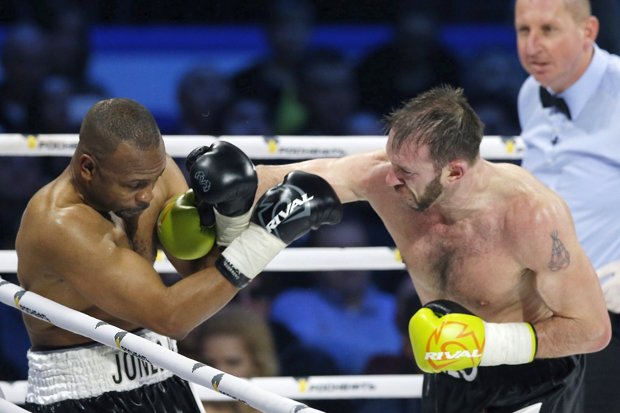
(180, 231)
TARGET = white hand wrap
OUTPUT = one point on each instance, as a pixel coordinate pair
(229, 228)
(508, 343)
(248, 255)
(609, 276)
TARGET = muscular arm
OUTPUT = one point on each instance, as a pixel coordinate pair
(114, 278)
(348, 175)
(566, 282)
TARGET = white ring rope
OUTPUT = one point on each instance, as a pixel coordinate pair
(6, 406)
(184, 367)
(256, 147)
(384, 386)
(289, 260)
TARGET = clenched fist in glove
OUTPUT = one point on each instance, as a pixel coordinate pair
(447, 337)
(181, 231)
(302, 202)
(223, 177)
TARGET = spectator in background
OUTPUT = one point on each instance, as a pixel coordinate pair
(365, 123)
(70, 55)
(570, 119)
(247, 116)
(328, 93)
(411, 63)
(274, 79)
(344, 313)
(70, 50)
(236, 341)
(499, 117)
(14, 341)
(20, 178)
(494, 75)
(203, 93)
(24, 65)
(49, 111)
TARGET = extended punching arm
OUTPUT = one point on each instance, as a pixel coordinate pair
(302, 202)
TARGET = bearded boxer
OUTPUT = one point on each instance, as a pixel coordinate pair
(511, 300)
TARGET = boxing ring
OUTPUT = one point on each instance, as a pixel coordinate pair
(267, 394)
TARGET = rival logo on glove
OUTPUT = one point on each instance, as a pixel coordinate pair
(270, 216)
(446, 355)
(290, 208)
(441, 352)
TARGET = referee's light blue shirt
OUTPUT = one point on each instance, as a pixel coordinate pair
(580, 158)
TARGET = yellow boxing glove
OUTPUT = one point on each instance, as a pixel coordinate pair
(180, 231)
(447, 337)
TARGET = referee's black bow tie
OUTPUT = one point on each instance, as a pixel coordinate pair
(549, 100)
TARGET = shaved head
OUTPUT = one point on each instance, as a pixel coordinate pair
(112, 121)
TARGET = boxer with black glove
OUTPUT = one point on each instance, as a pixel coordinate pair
(285, 212)
(223, 177)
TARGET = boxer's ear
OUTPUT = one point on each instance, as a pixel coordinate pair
(456, 169)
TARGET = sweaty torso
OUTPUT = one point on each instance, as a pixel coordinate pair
(470, 260)
(39, 272)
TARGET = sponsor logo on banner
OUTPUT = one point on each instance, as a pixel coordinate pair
(306, 386)
(275, 148)
(51, 144)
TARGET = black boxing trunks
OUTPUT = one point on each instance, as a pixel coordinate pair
(98, 378)
(556, 385)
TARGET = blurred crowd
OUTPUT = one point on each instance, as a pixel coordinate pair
(329, 323)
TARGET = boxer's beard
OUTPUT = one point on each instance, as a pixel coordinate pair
(430, 194)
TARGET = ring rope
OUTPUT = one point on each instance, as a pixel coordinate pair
(7, 407)
(388, 386)
(290, 259)
(184, 367)
(256, 147)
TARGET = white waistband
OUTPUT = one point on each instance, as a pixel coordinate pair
(83, 372)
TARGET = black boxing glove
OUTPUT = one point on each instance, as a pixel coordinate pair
(224, 177)
(302, 202)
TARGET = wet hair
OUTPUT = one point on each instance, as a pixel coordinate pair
(442, 119)
(112, 121)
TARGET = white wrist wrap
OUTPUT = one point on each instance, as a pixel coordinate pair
(508, 343)
(229, 228)
(252, 250)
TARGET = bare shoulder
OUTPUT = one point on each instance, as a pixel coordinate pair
(55, 232)
(536, 217)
